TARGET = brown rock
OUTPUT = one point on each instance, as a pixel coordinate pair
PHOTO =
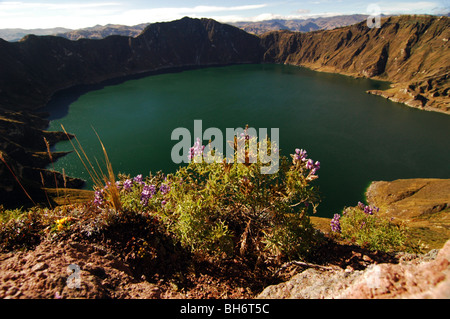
(429, 279)
(418, 277)
(39, 266)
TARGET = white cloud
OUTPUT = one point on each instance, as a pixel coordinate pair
(42, 15)
(73, 15)
(407, 7)
(21, 14)
(271, 16)
(16, 5)
(132, 17)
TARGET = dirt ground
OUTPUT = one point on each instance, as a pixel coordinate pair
(78, 268)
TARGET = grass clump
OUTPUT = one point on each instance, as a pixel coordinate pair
(363, 226)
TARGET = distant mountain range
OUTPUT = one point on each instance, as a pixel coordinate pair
(103, 31)
(302, 25)
(261, 27)
(14, 35)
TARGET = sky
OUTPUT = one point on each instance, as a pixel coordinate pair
(74, 14)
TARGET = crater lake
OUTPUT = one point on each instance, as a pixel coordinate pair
(357, 137)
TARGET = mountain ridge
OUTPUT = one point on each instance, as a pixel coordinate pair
(300, 25)
(258, 28)
(63, 63)
(15, 34)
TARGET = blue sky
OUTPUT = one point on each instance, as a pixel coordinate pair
(83, 13)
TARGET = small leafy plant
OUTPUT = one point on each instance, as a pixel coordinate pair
(363, 226)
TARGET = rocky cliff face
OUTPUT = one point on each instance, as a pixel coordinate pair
(410, 51)
(37, 67)
(23, 149)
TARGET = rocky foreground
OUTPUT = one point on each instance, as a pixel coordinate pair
(109, 266)
(420, 276)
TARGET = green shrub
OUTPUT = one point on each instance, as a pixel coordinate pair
(18, 229)
(232, 208)
(363, 226)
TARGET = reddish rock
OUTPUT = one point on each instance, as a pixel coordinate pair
(415, 277)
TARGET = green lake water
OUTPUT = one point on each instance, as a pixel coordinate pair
(357, 137)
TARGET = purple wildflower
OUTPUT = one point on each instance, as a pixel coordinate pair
(127, 184)
(368, 210)
(138, 179)
(373, 209)
(335, 223)
(300, 155)
(98, 197)
(315, 168)
(164, 202)
(361, 205)
(164, 189)
(147, 192)
(310, 164)
(195, 150)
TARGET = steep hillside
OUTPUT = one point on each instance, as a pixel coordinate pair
(410, 51)
(40, 66)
